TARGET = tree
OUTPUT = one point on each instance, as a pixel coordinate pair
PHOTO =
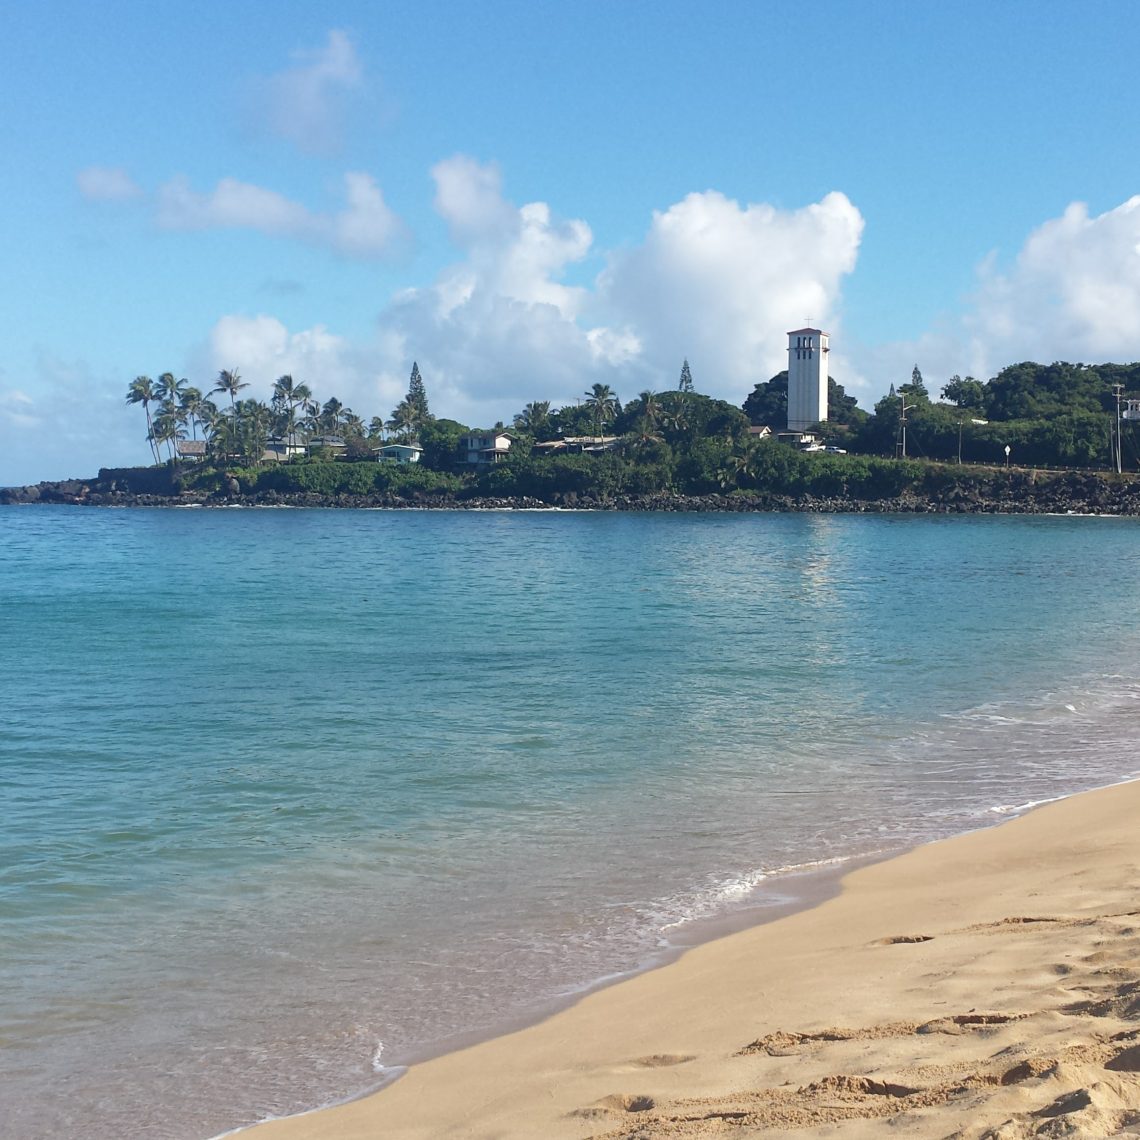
(440, 441)
(686, 382)
(229, 380)
(534, 418)
(194, 409)
(603, 405)
(142, 391)
(403, 421)
(331, 417)
(651, 406)
(287, 397)
(768, 403)
(168, 427)
(170, 390)
(917, 386)
(411, 413)
(417, 396)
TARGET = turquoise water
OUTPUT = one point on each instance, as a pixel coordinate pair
(291, 797)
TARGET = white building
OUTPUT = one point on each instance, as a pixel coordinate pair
(482, 448)
(398, 453)
(807, 378)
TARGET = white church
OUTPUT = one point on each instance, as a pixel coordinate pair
(807, 378)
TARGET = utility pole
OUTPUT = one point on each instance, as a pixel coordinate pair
(959, 443)
(1117, 390)
(904, 407)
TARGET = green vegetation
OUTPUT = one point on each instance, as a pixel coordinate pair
(676, 441)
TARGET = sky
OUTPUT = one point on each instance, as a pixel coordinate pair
(530, 198)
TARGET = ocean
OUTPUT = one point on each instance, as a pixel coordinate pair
(290, 798)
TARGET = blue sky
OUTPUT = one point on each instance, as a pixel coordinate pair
(529, 198)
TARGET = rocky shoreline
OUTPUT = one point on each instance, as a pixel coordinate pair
(1021, 493)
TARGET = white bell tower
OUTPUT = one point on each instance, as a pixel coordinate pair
(807, 378)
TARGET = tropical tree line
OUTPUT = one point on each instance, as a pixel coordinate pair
(677, 439)
(1059, 415)
(240, 430)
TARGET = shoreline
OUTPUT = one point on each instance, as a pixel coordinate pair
(677, 1040)
(1022, 491)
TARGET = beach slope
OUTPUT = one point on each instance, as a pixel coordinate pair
(984, 986)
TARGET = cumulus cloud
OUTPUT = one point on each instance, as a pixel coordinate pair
(1072, 293)
(306, 102)
(364, 228)
(713, 280)
(262, 348)
(107, 184)
(722, 283)
(500, 326)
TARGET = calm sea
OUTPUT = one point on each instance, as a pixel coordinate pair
(290, 797)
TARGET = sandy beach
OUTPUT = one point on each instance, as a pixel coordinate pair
(983, 986)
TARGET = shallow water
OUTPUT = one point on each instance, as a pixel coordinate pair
(289, 796)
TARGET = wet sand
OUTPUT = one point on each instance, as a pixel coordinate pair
(986, 986)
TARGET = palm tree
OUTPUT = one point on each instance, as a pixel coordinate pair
(644, 439)
(142, 391)
(676, 414)
(255, 420)
(168, 427)
(534, 417)
(331, 416)
(288, 396)
(376, 427)
(170, 390)
(403, 421)
(604, 404)
(230, 381)
(193, 404)
(308, 424)
(650, 407)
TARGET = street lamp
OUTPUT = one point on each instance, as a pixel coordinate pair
(904, 407)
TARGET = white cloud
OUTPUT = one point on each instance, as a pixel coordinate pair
(499, 327)
(107, 184)
(713, 281)
(364, 228)
(721, 284)
(18, 409)
(469, 197)
(262, 348)
(305, 103)
(1073, 292)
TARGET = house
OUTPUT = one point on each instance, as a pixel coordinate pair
(278, 447)
(577, 445)
(759, 431)
(801, 440)
(482, 448)
(333, 443)
(191, 449)
(398, 453)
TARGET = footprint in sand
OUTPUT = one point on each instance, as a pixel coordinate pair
(663, 1060)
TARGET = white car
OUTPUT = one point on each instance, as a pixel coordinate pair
(836, 450)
